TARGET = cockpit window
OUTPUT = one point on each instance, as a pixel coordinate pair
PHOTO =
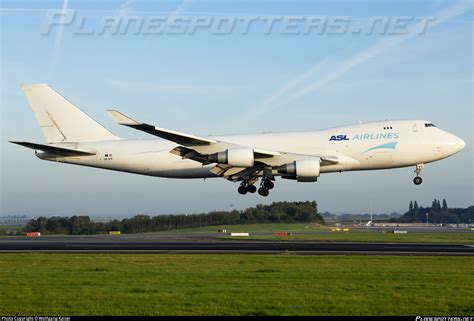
(429, 125)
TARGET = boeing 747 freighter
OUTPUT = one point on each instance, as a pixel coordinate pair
(73, 137)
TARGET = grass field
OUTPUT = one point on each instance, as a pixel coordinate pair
(355, 235)
(372, 236)
(122, 284)
(268, 227)
(10, 228)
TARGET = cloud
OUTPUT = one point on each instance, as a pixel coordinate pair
(173, 14)
(126, 7)
(282, 91)
(297, 88)
(182, 7)
(59, 38)
(59, 35)
(173, 89)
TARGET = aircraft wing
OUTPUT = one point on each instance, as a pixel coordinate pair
(200, 148)
(181, 138)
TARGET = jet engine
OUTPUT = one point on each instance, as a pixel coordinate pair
(304, 170)
(237, 157)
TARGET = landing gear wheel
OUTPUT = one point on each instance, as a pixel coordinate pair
(268, 184)
(263, 191)
(242, 189)
(417, 180)
(251, 188)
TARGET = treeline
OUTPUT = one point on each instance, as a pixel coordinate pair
(362, 217)
(274, 213)
(437, 213)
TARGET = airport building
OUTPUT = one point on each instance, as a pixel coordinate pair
(14, 220)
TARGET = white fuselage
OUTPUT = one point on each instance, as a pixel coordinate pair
(376, 145)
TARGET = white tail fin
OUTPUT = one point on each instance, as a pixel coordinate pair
(60, 120)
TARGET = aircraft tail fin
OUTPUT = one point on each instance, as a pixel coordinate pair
(60, 120)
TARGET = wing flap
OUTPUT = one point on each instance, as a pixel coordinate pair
(264, 153)
(237, 173)
(187, 153)
(329, 160)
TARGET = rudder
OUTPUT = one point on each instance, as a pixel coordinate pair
(60, 120)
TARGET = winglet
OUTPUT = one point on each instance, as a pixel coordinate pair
(122, 119)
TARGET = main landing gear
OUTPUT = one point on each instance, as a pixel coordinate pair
(418, 180)
(243, 188)
(248, 187)
(265, 187)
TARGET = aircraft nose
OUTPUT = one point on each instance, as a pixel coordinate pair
(454, 143)
(460, 144)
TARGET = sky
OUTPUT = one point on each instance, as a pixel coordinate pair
(225, 67)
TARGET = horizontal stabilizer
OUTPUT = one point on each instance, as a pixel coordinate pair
(60, 151)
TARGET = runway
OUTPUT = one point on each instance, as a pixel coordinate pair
(92, 246)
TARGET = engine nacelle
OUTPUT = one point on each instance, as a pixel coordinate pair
(303, 169)
(237, 157)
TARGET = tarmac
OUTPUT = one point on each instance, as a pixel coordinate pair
(209, 243)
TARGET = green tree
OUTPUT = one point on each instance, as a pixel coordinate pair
(444, 209)
(416, 212)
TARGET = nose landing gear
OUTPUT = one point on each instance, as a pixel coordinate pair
(418, 180)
